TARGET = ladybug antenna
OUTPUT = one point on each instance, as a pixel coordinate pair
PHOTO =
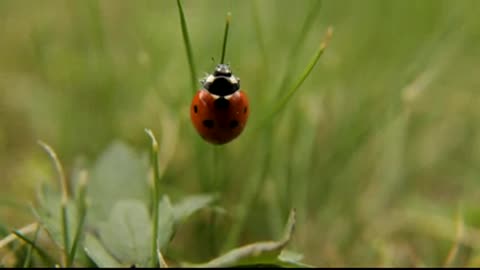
(225, 37)
(214, 63)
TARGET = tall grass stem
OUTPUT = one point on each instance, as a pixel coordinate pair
(28, 258)
(82, 213)
(225, 37)
(156, 196)
(63, 203)
(188, 47)
(43, 254)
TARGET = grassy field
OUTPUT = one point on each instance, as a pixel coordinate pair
(378, 151)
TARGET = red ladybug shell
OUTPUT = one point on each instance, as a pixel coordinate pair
(219, 120)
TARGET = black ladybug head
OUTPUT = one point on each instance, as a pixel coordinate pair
(222, 82)
(222, 70)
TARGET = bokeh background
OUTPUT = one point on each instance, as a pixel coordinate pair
(379, 151)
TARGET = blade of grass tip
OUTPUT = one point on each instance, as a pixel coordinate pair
(225, 37)
(63, 206)
(300, 80)
(307, 25)
(11, 237)
(58, 167)
(188, 46)
(43, 254)
(28, 258)
(156, 195)
(82, 212)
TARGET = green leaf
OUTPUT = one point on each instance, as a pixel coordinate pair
(190, 205)
(291, 259)
(166, 223)
(261, 253)
(127, 234)
(97, 252)
(188, 46)
(119, 174)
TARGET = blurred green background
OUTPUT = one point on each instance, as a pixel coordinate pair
(379, 151)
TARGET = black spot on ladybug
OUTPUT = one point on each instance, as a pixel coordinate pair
(245, 110)
(208, 123)
(233, 124)
(221, 103)
(195, 108)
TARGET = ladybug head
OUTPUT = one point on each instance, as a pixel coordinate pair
(222, 70)
(222, 82)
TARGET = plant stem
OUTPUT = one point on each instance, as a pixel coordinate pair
(225, 37)
(28, 258)
(64, 202)
(40, 251)
(82, 211)
(156, 195)
(188, 47)
(11, 237)
(66, 241)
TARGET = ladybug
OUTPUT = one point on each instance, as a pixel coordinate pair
(219, 111)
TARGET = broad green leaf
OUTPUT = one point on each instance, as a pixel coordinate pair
(166, 223)
(127, 234)
(119, 174)
(191, 204)
(261, 253)
(97, 252)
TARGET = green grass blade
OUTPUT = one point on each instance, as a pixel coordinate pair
(58, 168)
(66, 240)
(225, 37)
(156, 195)
(28, 258)
(82, 212)
(307, 25)
(43, 254)
(63, 205)
(188, 46)
(281, 104)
